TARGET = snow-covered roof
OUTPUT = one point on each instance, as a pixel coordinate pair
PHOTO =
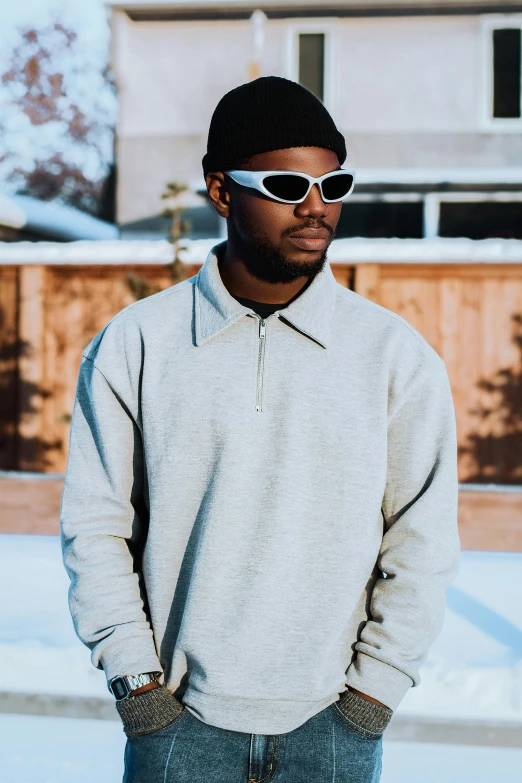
(438, 250)
(56, 221)
(295, 4)
(354, 250)
(87, 252)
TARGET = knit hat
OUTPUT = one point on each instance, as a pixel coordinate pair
(268, 113)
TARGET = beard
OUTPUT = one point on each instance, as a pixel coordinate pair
(268, 263)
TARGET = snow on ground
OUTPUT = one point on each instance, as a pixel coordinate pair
(431, 762)
(36, 631)
(474, 668)
(473, 671)
(60, 750)
(65, 750)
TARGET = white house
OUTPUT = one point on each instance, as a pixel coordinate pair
(426, 92)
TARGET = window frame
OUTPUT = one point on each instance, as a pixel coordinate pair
(317, 26)
(487, 121)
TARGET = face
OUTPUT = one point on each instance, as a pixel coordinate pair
(279, 242)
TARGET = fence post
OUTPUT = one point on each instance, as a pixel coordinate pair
(367, 281)
(30, 367)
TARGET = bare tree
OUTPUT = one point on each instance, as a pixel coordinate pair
(176, 197)
(57, 119)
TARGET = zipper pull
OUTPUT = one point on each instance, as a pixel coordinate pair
(262, 329)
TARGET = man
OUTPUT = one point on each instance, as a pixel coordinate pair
(259, 516)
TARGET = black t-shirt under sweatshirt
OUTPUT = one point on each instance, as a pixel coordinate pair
(261, 308)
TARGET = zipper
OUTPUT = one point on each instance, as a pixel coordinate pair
(260, 362)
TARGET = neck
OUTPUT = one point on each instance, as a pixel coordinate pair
(240, 282)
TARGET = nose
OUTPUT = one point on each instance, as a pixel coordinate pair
(313, 205)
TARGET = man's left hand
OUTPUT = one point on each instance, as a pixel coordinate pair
(370, 698)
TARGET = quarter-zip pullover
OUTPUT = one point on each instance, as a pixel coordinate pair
(266, 513)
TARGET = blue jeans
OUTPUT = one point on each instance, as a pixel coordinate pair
(325, 749)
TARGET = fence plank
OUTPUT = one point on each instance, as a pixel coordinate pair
(31, 367)
(8, 366)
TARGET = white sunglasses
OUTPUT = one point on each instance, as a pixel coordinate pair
(292, 187)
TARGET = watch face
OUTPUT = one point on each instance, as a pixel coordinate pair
(119, 688)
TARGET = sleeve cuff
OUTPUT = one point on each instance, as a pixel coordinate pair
(364, 716)
(148, 712)
(126, 656)
(378, 679)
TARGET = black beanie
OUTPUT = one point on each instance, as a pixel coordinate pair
(268, 113)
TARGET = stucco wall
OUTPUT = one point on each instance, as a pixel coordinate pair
(406, 91)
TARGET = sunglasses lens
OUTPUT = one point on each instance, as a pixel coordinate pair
(289, 187)
(337, 187)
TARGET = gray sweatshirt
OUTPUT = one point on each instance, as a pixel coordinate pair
(264, 511)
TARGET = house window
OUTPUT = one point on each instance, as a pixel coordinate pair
(311, 59)
(380, 219)
(311, 62)
(507, 72)
(481, 220)
(500, 103)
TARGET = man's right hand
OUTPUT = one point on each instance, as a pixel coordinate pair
(148, 687)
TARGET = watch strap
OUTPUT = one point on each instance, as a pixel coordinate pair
(122, 686)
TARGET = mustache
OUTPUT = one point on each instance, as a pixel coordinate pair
(308, 224)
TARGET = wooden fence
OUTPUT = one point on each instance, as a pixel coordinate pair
(467, 304)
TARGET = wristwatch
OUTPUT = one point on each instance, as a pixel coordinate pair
(122, 686)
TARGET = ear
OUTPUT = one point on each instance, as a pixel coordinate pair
(218, 193)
